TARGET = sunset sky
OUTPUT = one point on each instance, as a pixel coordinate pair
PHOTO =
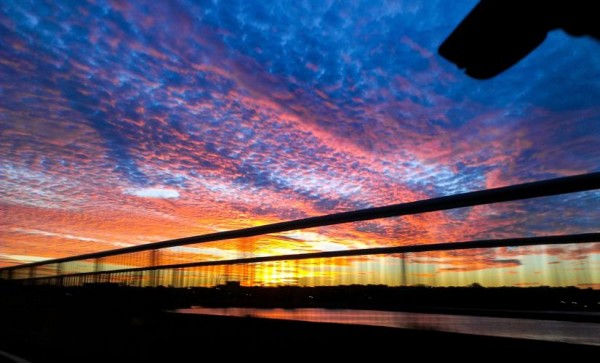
(124, 123)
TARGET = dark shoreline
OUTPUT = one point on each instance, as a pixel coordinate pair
(557, 303)
(121, 324)
(109, 336)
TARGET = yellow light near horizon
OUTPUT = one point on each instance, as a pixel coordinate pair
(276, 273)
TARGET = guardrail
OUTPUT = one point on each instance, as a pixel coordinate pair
(147, 265)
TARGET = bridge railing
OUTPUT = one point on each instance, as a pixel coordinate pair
(183, 262)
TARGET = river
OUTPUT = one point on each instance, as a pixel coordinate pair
(548, 330)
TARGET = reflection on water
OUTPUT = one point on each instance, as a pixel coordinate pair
(550, 330)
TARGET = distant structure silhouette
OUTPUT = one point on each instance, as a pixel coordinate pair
(497, 34)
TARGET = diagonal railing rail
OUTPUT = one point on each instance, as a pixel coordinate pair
(565, 185)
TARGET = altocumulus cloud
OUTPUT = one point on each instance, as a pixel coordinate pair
(160, 193)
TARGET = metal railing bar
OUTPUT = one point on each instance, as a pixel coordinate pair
(544, 188)
(445, 246)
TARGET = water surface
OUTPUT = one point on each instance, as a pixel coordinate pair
(549, 330)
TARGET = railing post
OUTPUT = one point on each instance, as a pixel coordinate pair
(97, 268)
(175, 278)
(153, 263)
(59, 278)
(403, 259)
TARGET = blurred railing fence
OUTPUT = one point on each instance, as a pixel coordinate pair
(174, 263)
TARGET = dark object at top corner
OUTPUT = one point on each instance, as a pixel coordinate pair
(496, 34)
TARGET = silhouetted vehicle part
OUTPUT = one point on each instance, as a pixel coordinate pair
(496, 34)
